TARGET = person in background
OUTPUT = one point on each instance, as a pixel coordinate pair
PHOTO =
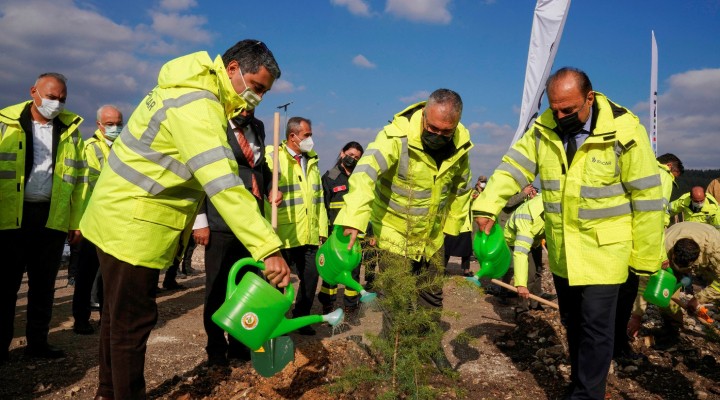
(302, 219)
(109, 122)
(172, 154)
(697, 206)
(714, 188)
(44, 189)
(335, 183)
(603, 212)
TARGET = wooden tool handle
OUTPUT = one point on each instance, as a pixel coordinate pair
(276, 169)
(532, 296)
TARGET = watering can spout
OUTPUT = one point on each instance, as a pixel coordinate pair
(335, 317)
(346, 279)
(288, 325)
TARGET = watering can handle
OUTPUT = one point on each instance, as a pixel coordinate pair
(247, 261)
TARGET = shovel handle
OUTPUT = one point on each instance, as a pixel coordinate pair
(532, 296)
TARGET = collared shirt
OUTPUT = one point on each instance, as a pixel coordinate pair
(581, 136)
(303, 161)
(250, 137)
(38, 186)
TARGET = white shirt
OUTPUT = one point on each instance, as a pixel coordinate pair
(303, 161)
(38, 186)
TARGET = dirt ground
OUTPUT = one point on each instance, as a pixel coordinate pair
(511, 357)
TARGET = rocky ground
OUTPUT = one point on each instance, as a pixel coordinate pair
(510, 356)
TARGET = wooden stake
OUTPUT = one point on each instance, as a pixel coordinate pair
(532, 296)
(276, 169)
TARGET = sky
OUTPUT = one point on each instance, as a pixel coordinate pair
(350, 65)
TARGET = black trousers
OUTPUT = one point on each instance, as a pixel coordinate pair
(129, 314)
(588, 313)
(88, 267)
(223, 250)
(303, 260)
(36, 250)
(328, 292)
(626, 299)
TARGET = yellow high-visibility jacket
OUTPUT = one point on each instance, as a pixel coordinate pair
(603, 213)
(96, 152)
(524, 230)
(172, 152)
(302, 218)
(709, 214)
(70, 176)
(402, 192)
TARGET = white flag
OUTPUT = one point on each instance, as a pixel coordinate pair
(547, 28)
(653, 95)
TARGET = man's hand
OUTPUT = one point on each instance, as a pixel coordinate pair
(202, 236)
(634, 325)
(74, 237)
(484, 224)
(275, 198)
(530, 191)
(692, 306)
(277, 270)
(665, 264)
(523, 292)
(353, 235)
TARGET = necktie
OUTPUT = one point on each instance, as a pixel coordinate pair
(571, 149)
(250, 157)
(297, 158)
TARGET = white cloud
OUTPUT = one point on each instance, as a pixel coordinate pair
(177, 5)
(433, 11)
(420, 95)
(362, 62)
(283, 86)
(181, 27)
(104, 61)
(688, 122)
(356, 7)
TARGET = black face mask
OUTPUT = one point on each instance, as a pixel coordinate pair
(349, 162)
(570, 124)
(434, 141)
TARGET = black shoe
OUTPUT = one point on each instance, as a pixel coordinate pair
(189, 271)
(44, 351)
(71, 281)
(307, 331)
(95, 306)
(241, 354)
(441, 362)
(548, 296)
(172, 285)
(217, 360)
(467, 273)
(83, 328)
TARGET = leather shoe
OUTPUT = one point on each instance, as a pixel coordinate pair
(242, 354)
(307, 331)
(98, 397)
(172, 285)
(548, 296)
(217, 360)
(44, 351)
(83, 328)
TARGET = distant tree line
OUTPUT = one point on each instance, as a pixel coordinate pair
(693, 177)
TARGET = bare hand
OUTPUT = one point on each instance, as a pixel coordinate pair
(277, 270)
(353, 235)
(530, 191)
(665, 264)
(74, 237)
(484, 224)
(275, 198)
(692, 306)
(633, 326)
(523, 292)
(372, 241)
(202, 236)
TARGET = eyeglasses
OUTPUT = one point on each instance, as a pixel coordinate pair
(441, 132)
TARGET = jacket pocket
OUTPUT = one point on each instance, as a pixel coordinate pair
(615, 234)
(159, 214)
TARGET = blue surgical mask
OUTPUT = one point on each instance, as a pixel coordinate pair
(112, 131)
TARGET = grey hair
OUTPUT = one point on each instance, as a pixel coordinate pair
(60, 77)
(293, 125)
(447, 97)
(99, 111)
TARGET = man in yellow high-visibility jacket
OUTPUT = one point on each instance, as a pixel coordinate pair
(413, 185)
(697, 206)
(43, 190)
(171, 154)
(603, 212)
(302, 218)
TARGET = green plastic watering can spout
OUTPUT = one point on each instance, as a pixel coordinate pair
(288, 325)
(346, 279)
(366, 297)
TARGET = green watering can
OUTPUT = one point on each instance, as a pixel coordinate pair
(492, 253)
(254, 311)
(335, 263)
(661, 286)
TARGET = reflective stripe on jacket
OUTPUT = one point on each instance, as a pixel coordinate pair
(96, 152)
(401, 190)
(524, 231)
(172, 152)
(302, 218)
(603, 213)
(709, 214)
(70, 179)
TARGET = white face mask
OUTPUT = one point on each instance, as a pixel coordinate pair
(697, 206)
(248, 95)
(50, 109)
(306, 145)
(482, 185)
(112, 131)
